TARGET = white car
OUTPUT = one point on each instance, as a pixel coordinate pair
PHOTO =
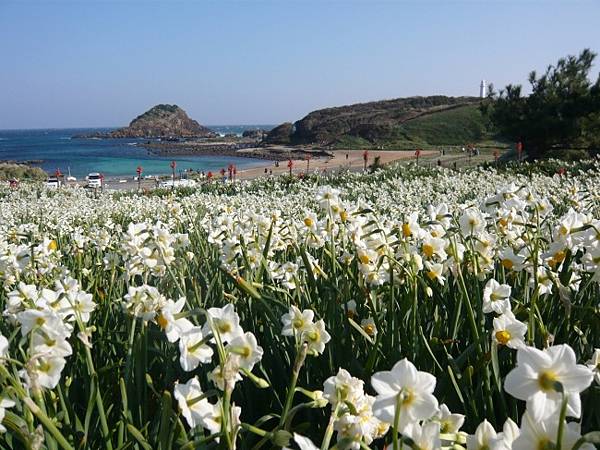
(53, 182)
(94, 180)
(177, 183)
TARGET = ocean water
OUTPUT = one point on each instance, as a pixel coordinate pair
(115, 158)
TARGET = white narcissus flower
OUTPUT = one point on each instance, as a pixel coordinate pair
(426, 437)
(191, 403)
(316, 337)
(46, 320)
(435, 272)
(510, 432)
(295, 321)
(360, 425)
(304, 443)
(485, 437)
(369, 327)
(594, 364)
(4, 404)
(193, 350)
(449, 422)
(343, 387)
(536, 434)
(229, 371)
(213, 419)
(534, 378)
(509, 331)
(415, 389)
(496, 297)
(49, 344)
(247, 350)
(226, 322)
(471, 222)
(46, 371)
(172, 326)
(3, 347)
(433, 246)
(143, 301)
(350, 308)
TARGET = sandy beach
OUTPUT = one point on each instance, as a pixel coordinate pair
(342, 159)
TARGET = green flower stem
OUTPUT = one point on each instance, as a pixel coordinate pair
(300, 358)
(47, 422)
(396, 425)
(561, 423)
(329, 430)
(36, 410)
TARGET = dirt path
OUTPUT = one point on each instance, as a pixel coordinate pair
(342, 159)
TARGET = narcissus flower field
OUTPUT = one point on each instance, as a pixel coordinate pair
(409, 308)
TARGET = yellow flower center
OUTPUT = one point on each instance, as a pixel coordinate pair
(308, 222)
(364, 259)
(445, 426)
(507, 264)
(503, 337)
(544, 444)
(546, 380)
(431, 275)
(406, 231)
(298, 323)
(52, 245)
(223, 326)
(369, 329)
(344, 216)
(559, 256)
(428, 250)
(314, 336)
(408, 397)
(162, 321)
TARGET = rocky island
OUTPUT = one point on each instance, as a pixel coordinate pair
(161, 121)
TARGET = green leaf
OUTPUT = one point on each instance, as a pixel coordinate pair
(138, 437)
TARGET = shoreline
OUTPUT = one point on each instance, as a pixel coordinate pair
(338, 161)
(242, 149)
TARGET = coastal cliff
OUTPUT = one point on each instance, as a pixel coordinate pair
(404, 121)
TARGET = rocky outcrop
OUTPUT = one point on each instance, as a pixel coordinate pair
(281, 134)
(168, 122)
(163, 121)
(373, 121)
(255, 134)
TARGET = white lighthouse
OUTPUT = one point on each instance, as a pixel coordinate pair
(482, 89)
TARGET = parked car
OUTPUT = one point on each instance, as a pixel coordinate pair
(53, 182)
(94, 180)
(177, 183)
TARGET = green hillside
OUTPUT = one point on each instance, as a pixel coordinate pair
(403, 123)
(450, 127)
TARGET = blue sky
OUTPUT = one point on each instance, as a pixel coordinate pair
(78, 63)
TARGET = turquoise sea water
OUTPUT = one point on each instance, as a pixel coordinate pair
(112, 157)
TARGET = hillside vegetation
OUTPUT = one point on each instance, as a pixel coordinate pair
(399, 123)
(10, 171)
